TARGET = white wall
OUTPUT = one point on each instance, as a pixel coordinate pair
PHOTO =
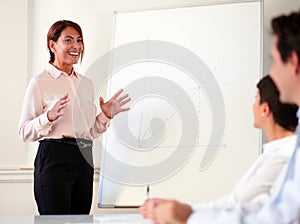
(16, 193)
(13, 79)
(24, 26)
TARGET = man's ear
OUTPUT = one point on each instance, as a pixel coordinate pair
(295, 62)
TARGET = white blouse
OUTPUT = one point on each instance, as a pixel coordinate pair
(264, 178)
(79, 119)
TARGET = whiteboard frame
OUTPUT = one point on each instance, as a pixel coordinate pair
(115, 13)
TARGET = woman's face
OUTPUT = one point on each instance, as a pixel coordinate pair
(67, 48)
(257, 112)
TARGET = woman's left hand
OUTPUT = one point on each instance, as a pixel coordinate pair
(115, 104)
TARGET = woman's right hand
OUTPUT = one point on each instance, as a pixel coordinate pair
(58, 108)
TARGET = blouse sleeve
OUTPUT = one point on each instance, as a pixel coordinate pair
(34, 123)
(101, 124)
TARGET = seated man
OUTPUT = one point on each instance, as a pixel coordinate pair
(285, 206)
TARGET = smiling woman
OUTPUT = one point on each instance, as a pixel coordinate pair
(70, 43)
(59, 112)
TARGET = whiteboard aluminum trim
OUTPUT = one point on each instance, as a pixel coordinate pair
(223, 2)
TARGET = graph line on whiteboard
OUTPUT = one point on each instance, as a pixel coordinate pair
(194, 92)
(189, 65)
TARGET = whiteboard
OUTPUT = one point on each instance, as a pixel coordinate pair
(191, 73)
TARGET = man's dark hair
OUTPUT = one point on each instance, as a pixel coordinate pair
(284, 114)
(287, 29)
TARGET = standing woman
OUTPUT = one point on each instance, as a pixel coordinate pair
(59, 112)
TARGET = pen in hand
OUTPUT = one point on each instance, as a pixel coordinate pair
(148, 192)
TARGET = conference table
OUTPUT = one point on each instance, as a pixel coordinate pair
(105, 216)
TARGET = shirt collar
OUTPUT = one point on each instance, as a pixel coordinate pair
(55, 72)
(276, 144)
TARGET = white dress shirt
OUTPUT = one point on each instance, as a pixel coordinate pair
(79, 119)
(261, 181)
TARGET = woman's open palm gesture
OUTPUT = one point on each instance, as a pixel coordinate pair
(115, 104)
